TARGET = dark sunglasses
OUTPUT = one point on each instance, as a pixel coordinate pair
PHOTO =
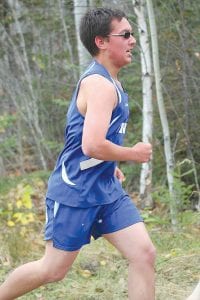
(125, 35)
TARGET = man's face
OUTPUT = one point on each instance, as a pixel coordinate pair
(120, 47)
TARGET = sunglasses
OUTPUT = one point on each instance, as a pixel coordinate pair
(126, 35)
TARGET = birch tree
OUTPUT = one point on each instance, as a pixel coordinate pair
(146, 69)
(163, 115)
(67, 40)
(80, 8)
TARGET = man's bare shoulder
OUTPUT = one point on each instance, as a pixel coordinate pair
(96, 90)
(96, 81)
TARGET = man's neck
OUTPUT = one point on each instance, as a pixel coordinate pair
(113, 70)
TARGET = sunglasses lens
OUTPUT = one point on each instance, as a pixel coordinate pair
(127, 35)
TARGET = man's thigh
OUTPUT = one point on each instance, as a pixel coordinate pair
(131, 241)
(56, 260)
(116, 216)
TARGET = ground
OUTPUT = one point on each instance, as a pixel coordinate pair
(99, 272)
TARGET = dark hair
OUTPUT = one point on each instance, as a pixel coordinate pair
(97, 22)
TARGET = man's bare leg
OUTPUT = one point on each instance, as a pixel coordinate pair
(135, 245)
(52, 267)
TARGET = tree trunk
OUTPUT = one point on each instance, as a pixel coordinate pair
(80, 7)
(146, 171)
(68, 44)
(163, 115)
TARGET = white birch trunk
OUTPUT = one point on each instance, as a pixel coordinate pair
(163, 115)
(80, 7)
(146, 171)
(68, 45)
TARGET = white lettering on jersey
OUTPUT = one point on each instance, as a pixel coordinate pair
(123, 128)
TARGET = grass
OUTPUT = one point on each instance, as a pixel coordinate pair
(100, 272)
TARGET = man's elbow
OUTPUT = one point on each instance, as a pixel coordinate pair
(87, 150)
(92, 150)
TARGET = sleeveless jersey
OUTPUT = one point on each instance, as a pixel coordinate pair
(79, 180)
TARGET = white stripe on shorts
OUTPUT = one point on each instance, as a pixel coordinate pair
(55, 209)
(46, 214)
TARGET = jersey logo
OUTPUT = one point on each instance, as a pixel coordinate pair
(123, 128)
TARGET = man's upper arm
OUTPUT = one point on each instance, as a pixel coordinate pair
(101, 98)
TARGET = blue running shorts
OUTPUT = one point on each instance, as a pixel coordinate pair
(72, 227)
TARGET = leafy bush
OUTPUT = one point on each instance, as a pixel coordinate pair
(22, 216)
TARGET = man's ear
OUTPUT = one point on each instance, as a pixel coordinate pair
(100, 42)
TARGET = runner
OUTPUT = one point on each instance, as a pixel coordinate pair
(85, 197)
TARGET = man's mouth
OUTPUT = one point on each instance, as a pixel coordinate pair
(129, 51)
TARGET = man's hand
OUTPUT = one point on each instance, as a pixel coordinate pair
(120, 175)
(142, 152)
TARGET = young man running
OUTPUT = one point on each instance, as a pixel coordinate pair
(85, 197)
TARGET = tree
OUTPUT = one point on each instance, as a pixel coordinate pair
(187, 68)
(28, 101)
(146, 172)
(163, 115)
(80, 7)
(68, 44)
(37, 75)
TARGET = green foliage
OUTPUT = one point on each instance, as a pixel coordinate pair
(22, 213)
(41, 61)
(152, 219)
(60, 102)
(189, 218)
(18, 212)
(10, 142)
(54, 146)
(182, 191)
(8, 137)
(132, 175)
(16, 216)
(6, 121)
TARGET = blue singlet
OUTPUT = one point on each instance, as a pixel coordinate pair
(79, 180)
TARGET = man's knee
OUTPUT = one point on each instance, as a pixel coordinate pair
(52, 273)
(55, 275)
(149, 254)
(144, 255)
(55, 263)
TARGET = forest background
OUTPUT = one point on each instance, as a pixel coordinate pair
(40, 63)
